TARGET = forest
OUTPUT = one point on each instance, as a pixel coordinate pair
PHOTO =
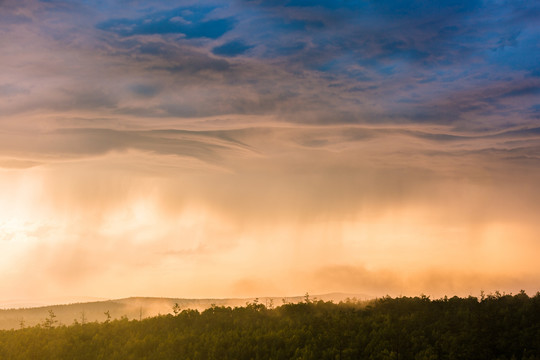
(494, 326)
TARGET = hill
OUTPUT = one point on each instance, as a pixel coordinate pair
(135, 308)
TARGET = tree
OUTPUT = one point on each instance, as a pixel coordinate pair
(108, 315)
(50, 321)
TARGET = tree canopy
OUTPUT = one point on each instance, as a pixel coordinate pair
(492, 327)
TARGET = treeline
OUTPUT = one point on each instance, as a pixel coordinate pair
(492, 327)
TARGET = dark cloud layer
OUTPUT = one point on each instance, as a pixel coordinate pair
(465, 64)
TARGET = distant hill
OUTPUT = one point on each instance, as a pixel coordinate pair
(41, 302)
(138, 308)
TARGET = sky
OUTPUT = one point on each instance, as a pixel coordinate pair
(269, 147)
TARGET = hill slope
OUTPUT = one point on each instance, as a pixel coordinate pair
(136, 308)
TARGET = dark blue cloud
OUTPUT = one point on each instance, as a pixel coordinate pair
(533, 90)
(289, 50)
(145, 90)
(422, 8)
(410, 33)
(231, 48)
(297, 24)
(192, 22)
(327, 4)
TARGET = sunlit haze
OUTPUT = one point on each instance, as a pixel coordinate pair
(268, 148)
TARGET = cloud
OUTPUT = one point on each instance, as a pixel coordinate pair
(145, 90)
(297, 208)
(191, 22)
(524, 91)
(440, 282)
(12, 90)
(321, 142)
(357, 279)
(18, 164)
(231, 48)
(68, 143)
(433, 65)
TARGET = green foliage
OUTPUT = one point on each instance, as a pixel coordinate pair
(493, 327)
